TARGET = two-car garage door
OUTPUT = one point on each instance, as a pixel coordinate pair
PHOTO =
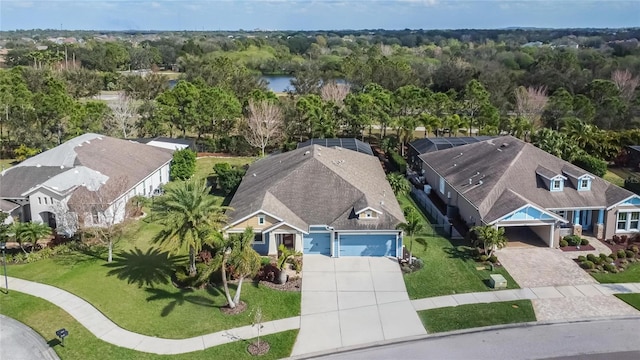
(367, 245)
(351, 245)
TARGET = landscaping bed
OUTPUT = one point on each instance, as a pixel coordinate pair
(575, 243)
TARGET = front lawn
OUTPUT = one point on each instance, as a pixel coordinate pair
(136, 293)
(631, 274)
(631, 299)
(45, 318)
(448, 266)
(477, 315)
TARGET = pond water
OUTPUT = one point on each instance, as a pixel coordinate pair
(275, 83)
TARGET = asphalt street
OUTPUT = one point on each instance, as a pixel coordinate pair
(20, 342)
(584, 340)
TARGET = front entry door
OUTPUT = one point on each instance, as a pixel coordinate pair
(288, 240)
(585, 219)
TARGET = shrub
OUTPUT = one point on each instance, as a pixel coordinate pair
(228, 177)
(591, 257)
(398, 161)
(587, 265)
(582, 258)
(624, 262)
(634, 248)
(592, 164)
(608, 260)
(584, 242)
(603, 256)
(563, 243)
(630, 254)
(483, 258)
(573, 240)
(183, 164)
(621, 254)
(610, 268)
(613, 256)
(493, 259)
(599, 267)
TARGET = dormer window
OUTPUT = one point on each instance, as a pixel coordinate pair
(584, 184)
(367, 214)
(556, 185)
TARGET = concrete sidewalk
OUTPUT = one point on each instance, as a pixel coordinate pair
(106, 330)
(597, 300)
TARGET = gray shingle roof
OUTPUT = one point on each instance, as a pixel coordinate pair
(317, 185)
(508, 170)
(89, 160)
(425, 145)
(345, 143)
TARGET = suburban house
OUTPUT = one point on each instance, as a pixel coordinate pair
(345, 143)
(427, 145)
(508, 183)
(40, 188)
(318, 200)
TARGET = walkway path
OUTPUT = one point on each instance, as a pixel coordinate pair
(106, 330)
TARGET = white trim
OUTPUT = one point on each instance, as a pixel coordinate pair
(555, 216)
(368, 208)
(577, 208)
(623, 200)
(627, 220)
(249, 216)
(275, 226)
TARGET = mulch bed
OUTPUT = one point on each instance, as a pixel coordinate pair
(576, 248)
(257, 348)
(291, 285)
(240, 308)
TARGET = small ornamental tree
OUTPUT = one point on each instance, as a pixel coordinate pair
(492, 238)
(183, 165)
(228, 177)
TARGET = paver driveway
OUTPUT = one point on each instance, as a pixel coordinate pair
(353, 301)
(541, 266)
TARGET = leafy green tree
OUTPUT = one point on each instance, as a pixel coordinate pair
(560, 106)
(399, 184)
(491, 237)
(411, 227)
(87, 117)
(29, 232)
(217, 111)
(475, 98)
(82, 83)
(592, 164)
(382, 102)
(52, 106)
(244, 261)
(189, 215)
(183, 164)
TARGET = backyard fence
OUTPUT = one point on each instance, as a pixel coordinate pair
(440, 222)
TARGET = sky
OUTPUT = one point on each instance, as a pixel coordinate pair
(315, 14)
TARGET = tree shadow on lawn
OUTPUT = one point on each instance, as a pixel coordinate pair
(148, 268)
(464, 253)
(83, 255)
(178, 298)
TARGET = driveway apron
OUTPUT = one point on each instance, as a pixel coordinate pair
(353, 301)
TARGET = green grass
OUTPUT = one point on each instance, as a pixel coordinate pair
(448, 266)
(477, 315)
(45, 318)
(622, 173)
(631, 299)
(614, 178)
(136, 292)
(631, 274)
(7, 163)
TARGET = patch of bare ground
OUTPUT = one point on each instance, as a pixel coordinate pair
(240, 308)
(258, 348)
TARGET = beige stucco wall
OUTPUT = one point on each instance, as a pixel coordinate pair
(253, 222)
(611, 219)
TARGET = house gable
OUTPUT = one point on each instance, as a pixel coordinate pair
(529, 212)
(258, 220)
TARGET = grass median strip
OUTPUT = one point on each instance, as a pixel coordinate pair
(477, 315)
(631, 299)
(45, 318)
(630, 275)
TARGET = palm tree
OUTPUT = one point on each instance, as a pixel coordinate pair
(30, 232)
(399, 184)
(411, 227)
(237, 252)
(455, 123)
(189, 214)
(493, 238)
(430, 123)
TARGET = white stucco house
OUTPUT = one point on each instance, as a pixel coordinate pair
(88, 168)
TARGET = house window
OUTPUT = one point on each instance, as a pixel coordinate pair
(584, 184)
(45, 201)
(39, 200)
(441, 188)
(94, 215)
(628, 221)
(556, 185)
(261, 220)
(367, 214)
(258, 238)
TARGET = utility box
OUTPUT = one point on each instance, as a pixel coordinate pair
(497, 281)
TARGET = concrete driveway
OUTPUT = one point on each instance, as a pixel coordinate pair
(20, 342)
(353, 301)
